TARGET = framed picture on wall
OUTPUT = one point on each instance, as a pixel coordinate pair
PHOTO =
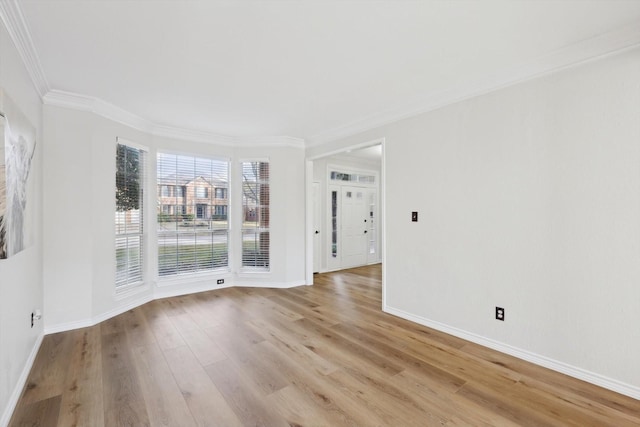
(17, 147)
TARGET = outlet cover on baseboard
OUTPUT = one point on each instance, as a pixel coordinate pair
(220, 281)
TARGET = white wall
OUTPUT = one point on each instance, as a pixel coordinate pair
(79, 200)
(529, 199)
(21, 275)
(79, 185)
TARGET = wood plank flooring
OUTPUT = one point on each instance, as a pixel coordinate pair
(323, 355)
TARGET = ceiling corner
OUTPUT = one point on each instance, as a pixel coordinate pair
(16, 26)
(610, 43)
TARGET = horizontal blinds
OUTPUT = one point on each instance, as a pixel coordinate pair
(193, 204)
(129, 215)
(256, 215)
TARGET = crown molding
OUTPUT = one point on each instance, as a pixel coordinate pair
(269, 141)
(16, 26)
(591, 49)
(14, 22)
(109, 111)
(614, 42)
(97, 106)
(173, 132)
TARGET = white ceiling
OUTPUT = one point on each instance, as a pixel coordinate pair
(372, 155)
(308, 69)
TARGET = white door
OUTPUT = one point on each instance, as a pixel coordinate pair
(372, 226)
(317, 232)
(354, 226)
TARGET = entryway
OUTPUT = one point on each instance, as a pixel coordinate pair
(345, 208)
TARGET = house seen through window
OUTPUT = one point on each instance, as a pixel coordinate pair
(193, 227)
(256, 216)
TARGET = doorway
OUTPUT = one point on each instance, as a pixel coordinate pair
(317, 226)
(343, 209)
(354, 227)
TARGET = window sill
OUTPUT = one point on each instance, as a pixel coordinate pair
(184, 278)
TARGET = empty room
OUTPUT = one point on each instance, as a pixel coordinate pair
(319, 213)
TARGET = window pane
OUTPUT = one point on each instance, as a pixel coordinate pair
(256, 215)
(334, 224)
(129, 226)
(255, 248)
(192, 223)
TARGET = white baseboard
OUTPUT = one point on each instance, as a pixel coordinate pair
(17, 391)
(85, 323)
(68, 326)
(162, 292)
(555, 365)
(278, 285)
(194, 288)
(121, 309)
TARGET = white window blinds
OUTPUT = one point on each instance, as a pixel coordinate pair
(193, 225)
(255, 215)
(129, 215)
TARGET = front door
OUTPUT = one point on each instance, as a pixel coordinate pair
(354, 226)
(201, 211)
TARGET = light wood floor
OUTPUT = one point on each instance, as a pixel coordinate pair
(323, 355)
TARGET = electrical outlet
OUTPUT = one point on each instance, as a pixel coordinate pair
(33, 315)
(220, 281)
(500, 313)
(414, 216)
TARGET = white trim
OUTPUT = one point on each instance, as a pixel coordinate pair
(252, 271)
(22, 380)
(69, 326)
(128, 289)
(123, 141)
(613, 42)
(331, 184)
(86, 323)
(382, 220)
(253, 160)
(199, 154)
(283, 285)
(16, 26)
(173, 132)
(121, 309)
(191, 288)
(309, 218)
(158, 293)
(75, 101)
(555, 365)
(343, 150)
(309, 213)
(182, 279)
(269, 141)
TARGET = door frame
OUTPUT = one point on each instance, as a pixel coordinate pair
(317, 224)
(331, 264)
(309, 207)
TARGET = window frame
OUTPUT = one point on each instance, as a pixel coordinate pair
(141, 235)
(242, 268)
(181, 208)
